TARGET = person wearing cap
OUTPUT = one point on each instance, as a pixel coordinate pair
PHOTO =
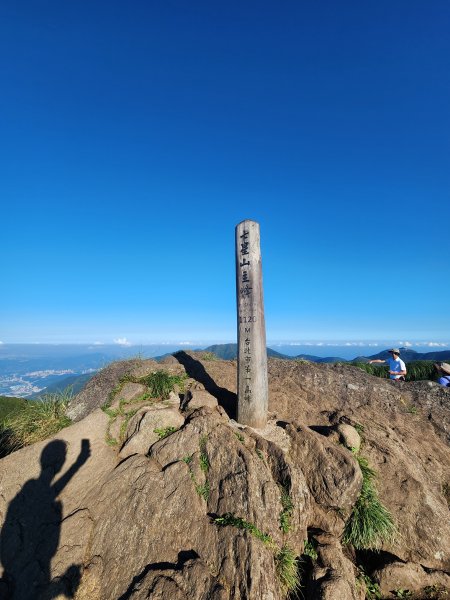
(443, 370)
(397, 368)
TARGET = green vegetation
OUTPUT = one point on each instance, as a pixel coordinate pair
(287, 568)
(164, 432)
(370, 523)
(287, 510)
(417, 370)
(310, 550)
(286, 562)
(202, 489)
(36, 421)
(208, 356)
(401, 593)
(372, 589)
(230, 519)
(10, 405)
(239, 436)
(259, 454)
(161, 383)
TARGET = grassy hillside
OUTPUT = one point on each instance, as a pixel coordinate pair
(10, 406)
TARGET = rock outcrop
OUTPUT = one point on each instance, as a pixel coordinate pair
(172, 499)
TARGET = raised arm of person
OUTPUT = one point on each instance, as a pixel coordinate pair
(377, 360)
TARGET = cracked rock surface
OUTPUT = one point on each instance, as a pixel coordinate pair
(87, 520)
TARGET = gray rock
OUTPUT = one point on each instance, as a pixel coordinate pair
(141, 433)
(195, 398)
(348, 436)
(129, 392)
(409, 576)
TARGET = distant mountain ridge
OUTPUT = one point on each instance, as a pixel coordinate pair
(229, 352)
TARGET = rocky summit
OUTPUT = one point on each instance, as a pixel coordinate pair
(163, 495)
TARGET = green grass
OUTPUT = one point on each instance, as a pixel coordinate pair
(402, 593)
(204, 460)
(37, 421)
(259, 454)
(286, 562)
(161, 383)
(208, 356)
(372, 589)
(310, 550)
(287, 510)
(370, 523)
(164, 432)
(231, 519)
(202, 489)
(286, 565)
(10, 405)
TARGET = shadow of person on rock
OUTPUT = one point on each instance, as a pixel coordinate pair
(195, 369)
(31, 531)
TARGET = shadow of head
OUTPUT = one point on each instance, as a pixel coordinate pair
(195, 369)
(54, 456)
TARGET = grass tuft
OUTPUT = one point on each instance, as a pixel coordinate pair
(204, 461)
(161, 383)
(371, 589)
(286, 564)
(163, 432)
(310, 550)
(38, 420)
(231, 519)
(287, 510)
(370, 523)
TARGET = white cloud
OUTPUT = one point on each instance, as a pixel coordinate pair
(1, 343)
(185, 344)
(435, 344)
(122, 342)
(406, 344)
(99, 343)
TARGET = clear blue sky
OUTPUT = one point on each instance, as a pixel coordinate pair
(136, 135)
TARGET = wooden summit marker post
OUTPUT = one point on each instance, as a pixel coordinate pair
(253, 393)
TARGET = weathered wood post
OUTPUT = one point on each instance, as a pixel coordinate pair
(253, 393)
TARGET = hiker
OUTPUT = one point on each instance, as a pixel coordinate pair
(397, 368)
(443, 371)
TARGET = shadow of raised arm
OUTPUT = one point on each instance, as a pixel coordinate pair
(85, 453)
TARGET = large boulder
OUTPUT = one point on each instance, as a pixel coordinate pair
(203, 513)
(100, 389)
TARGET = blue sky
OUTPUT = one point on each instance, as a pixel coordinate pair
(135, 136)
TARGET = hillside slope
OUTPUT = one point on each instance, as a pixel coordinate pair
(203, 513)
